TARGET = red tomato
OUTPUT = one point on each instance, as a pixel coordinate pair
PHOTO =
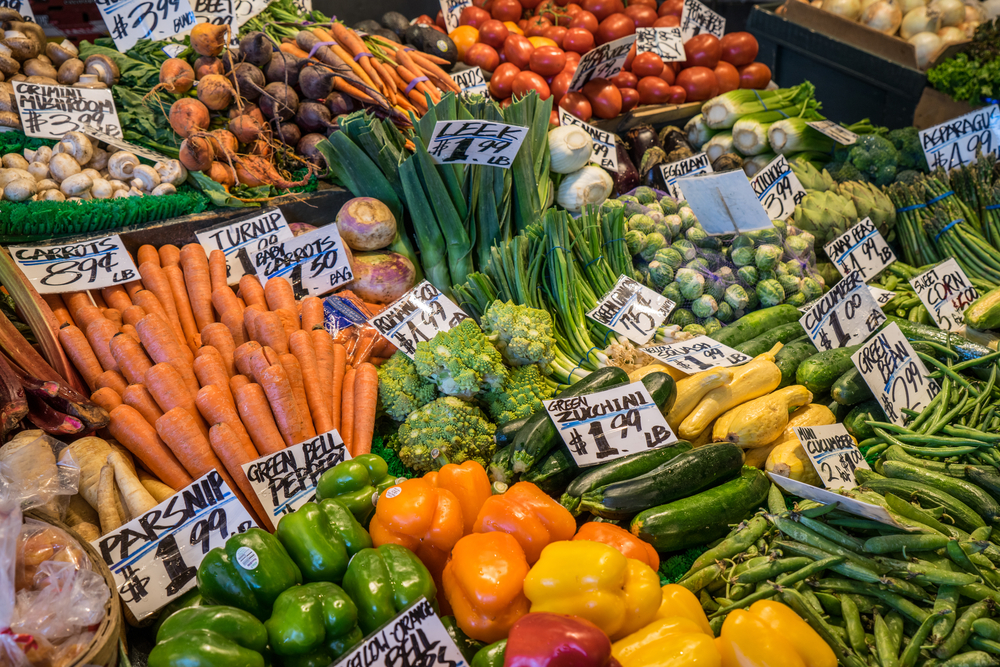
(630, 99)
(523, 25)
(668, 21)
(572, 58)
(553, 119)
(602, 9)
(727, 76)
(474, 16)
(562, 3)
(537, 26)
(577, 105)
(556, 34)
(483, 56)
(488, 6)
(564, 19)
(560, 84)
(507, 10)
(629, 58)
(579, 40)
(615, 27)
(525, 82)
(754, 75)
(571, 8)
(547, 60)
(668, 74)
(643, 16)
(501, 83)
(625, 79)
(739, 48)
(529, 4)
(423, 19)
(703, 50)
(439, 21)
(494, 33)
(699, 83)
(647, 64)
(604, 98)
(648, 3)
(671, 8)
(653, 90)
(518, 50)
(547, 10)
(677, 95)
(585, 20)
(506, 102)
(480, 3)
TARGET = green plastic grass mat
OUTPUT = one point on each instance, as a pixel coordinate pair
(676, 566)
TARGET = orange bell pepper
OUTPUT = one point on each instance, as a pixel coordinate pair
(530, 515)
(470, 484)
(621, 539)
(484, 584)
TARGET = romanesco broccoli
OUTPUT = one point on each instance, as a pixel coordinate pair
(876, 158)
(461, 361)
(907, 143)
(521, 396)
(400, 389)
(522, 334)
(446, 430)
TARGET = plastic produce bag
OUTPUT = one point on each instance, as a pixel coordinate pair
(34, 475)
(10, 527)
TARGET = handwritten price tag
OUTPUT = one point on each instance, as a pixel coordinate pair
(604, 153)
(243, 239)
(155, 557)
(217, 12)
(833, 453)
(633, 310)
(313, 263)
(689, 166)
(668, 43)
(778, 189)
(415, 636)
(417, 316)
(946, 292)
(603, 62)
(696, 18)
(838, 133)
(452, 12)
(698, 354)
(882, 296)
(895, 374)
(846, 315)
(475, 142)
(860, 248)
(724, 202)
(73, 266)
(843, 502)
(132, 20)
(955, 143)
(22, 7)
(471, 81)
(609, 424)
(49, 112)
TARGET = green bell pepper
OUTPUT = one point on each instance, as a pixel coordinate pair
(491, 656)
(322, 538)
(313, 624)
(466, 644)
(384, 581)
(210, 637)
(248, 573)
(186, 601)
(356, 483)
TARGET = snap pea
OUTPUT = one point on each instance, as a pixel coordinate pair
(887, 544)
(788, 579)
(832, 534)
(981, 533)
(982, 644)
(912, 651)
(716, 624)
(815, 512)
(740, 591)
(702, 578)
(868, 524)
(802, 534)
(776, 500)
(895, 623)
(748, 564)
(794, 599)
(883, 644)
(946, 607)
(934, 575)
(979, 592)
(987, 627)
(772, 569)
(894, 600)
(708, 603)
(809, 596)
(831, 607)
(852, 620)
(738, 541)
(847, 568)
(962, 630)
(958, 556)
(909, 589)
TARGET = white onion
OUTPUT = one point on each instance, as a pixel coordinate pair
(969, 28)
(951, 35)
(921, 19)
(884, 16)
(974, 12)
(907, 6)
(927, 45)
(952, 11)
(849, 9)
(865, 4)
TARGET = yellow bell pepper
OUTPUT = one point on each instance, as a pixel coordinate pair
(749, 642)
(679, 601)
(597, 582)
(692, 649)
(807, 643)
(653, 633)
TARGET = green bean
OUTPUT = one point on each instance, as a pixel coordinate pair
(912, 651)
(694, 582)
(794, 599)
(883, 644)
(932, 407)
(988, 628)
(976, 362)
(939, 452)
(738, 541)
(892, 428)
(787, 579)
(962, 630)
(888, 544)
(948, 372)
(947, 417)
(855, 631)
(832, 534)
(982, 644)
(876, 449)
(802, 534)
(772, 569)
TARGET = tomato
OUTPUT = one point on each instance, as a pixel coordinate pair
(677, 95)
(739, 48)
(537, 26)
(513, 28)
(423, 19)
(547, 10)
(703, 50)
(464, 36)
(604, 98)
(585, 20)
(625, 79)
(438, 28)
(507, 10)
(555, 33)
(506, 102)
(571, 8)
(529, 4)
(643, 16)
(501, 83)
(668, 21)
(553, 119)
(647, 3)
(494, 33)
(541, 41)
(562, 3)
(630, 99)
(525, 82)
(699, 83)
(668, 74)
(560, 83)
(602, 9)
(572, 58)
(518, 50)
(727, 76)
(629, 58)
(647, 64)
(578, 40)
(653, 90)
(483, 56)
(615, 27)
(439, 21)
(754, 75)
(547, 60)
(523, 24)
(564, 19)
(578, 105)
(671, 8)
(474, 16)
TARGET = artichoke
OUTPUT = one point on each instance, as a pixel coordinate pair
(870, 202)
(826, 215)
(811, 177)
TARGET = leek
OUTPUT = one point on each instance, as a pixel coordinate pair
(792, 135)
(718, 145)
(698, 132)
(724, 110)
(754, 164)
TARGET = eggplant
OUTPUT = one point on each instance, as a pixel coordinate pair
(727, 162)
(671, 138)
(626, 178)
(640, 139)
(679, 153)
(649, 168)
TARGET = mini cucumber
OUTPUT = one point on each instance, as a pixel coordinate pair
(856, 421)
(850, 388)
(820, 371)
(785, 333)
(791, 356)
(756, 323)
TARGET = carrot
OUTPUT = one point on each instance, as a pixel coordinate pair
(151, 304)
(113, 380)
(250, 314)
(147, 253)
(158, 339)
(438, 75)
(132, 287)
(294, 371)
(181, 302)
(107, 398)
(271, 356)
(338, 369)
(378, 361)
(226, 446)
(84, 316)
(252, 292)
(365, 405)
(99, 335)
(274, 381)
(133, 314)
(156, 281)
(233, 319)
(74, 301)
(343, 86)
(237, 381)
(241, 357)
(289, 320)
(224, 299)
(257, 362)
(117, 297)
(170, 255)
(130, 331)
(291, 49)
(77, 348)
(271, 332)
(59, 309)
(129, 428)
(218, 271)
(217, 408)
(218, 336)
(279, 294)
(167, 388)
(347, 410)
(179, 430)
(194, 262)
(251, 401)
(350, 41)
(114, 316)
(138, 397)
(210, 371)
(132, 360)
(365, 345)
(347, 58)
(300, 343)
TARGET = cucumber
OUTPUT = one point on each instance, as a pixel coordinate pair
(785, 333)
(984, 312)
(970, 494)
(964, 516)
(820, 371)
(505, 432)
(702, 517)
(856, 421)
(554, 473)
(850, 388)
(756, 323)
(914, 331)
(791, 356)
(627, 467)
(678, 478)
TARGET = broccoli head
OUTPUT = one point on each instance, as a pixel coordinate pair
(521, 396)
(522, 334)
(461, 361)
(400, 389)
(876, 158)
(843, 171)
(446, 430)
(907, 143)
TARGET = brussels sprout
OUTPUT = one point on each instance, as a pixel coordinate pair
(767, 256)
(695, 330)
(669, 205)
(704, 306)
(681, 203)
(798, 246)
(696, 235)
(743, 241)
(692, 283)
(748, 274)
(660, 274)
(814, 275)
(794, 267)
(635, 241)
(641, 223)
(688, 218)
(628, 198)
(699, 264)
(662, 229)
(645, 195)
(780, 269)
(766, 275)
(726, 275)
(654, 213)
(736, 296)
(743, 256)
(641, 270)
(682, 317)
(612, 203)
(685, 248)
(654, 242)
(673, 292)
(674, 224)
(752, 300)
(725, 312)
(797, 299)
(770, 293)
(711, 324)
(769, 236)
(670, 257)
(714, 258)
(715, 287)
(790, 284)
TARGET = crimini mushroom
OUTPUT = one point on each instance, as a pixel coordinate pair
(70, 71)
(104, 67)
(10, 119)
(121, 165)
(8, 66)
(62, 166)
(44, 80)
(76, 185)
(39, 170)
(22, 47)
(52, 195)
(34, 32)
(37, 67)
(99, 160)
(22, 189)
(14, 161)
(146, 177)
(101, 189)
(171, 171)
(7, 102)
(62, 52)
(78, 145)
(93, 173)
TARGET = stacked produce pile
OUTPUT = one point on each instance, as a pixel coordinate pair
(972, 76)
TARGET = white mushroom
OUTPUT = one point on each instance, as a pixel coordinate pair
(39, 170)
(78, 145)
(135, 192)
(121, 164)
(62, 166)
(120, 194)
(164, 189)
(146, 176)
(20, 190)
(29, 154)
(10, 175)
(43, 154)
(100, 159)
(57, 149)
(52, 195)
(171, 171)
(76, 185)
(118, 185)
(46, 184)
(93, 173)
(101, 189)
(14, 161)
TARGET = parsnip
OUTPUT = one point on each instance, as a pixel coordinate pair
(106, 500)
(156, 488)
(137, 499)
(30, 464)
(90, 454)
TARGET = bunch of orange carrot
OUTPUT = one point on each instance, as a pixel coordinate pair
(197, 376)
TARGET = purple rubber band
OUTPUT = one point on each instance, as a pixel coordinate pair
(360, 55)
(413, 83)
(317, 46)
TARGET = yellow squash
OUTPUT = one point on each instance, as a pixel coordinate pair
(639, 373)
(757, 457)
(790, 460)
(758, 422)
(692, 389)
(813, 414)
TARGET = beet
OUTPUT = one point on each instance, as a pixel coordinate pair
(284, 67)
(626, 178)
(315, 82)
(279, 101)
(248, 81)
(338, 103)
(307, 147)
(288, 133)
(257, 49)
(313, 117)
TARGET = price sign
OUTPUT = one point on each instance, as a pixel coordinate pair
(603, 62)
(217, 12)
(882, 296)
(313, 263)
(955, 143)
(946, 292)
(471, 81)
(22, 7)
(304, 6)
(73, 266)
(860, 248)
(155, 557)
(689, 166)
(696, 18)
(895, 374)
(340, 313)
(724, 202)
(838, 133)
(843, 502)
(121, 144)
(609, 424)
(778, 189)
(604, 153)
(244, 239)
(846, 315)
(246, 10)
(697, 354)
(132, 20)
(633, 310)
(415, 636)
(417, 316)
(452, 11)
(833, 453)
(49, 112)
(475, 142)
(668, 43)
(286, 480)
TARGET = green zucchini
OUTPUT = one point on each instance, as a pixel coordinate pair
(785, 333)
(505, 432)
(850, 388)
(554, 473)
(820, 371)
(970, 494)
(662, 388)
(702, 517)
(791, 356)
(856, 421)
(964, 516)
(678, 478)
(756, 323)
(984, 312)
(502, 465)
